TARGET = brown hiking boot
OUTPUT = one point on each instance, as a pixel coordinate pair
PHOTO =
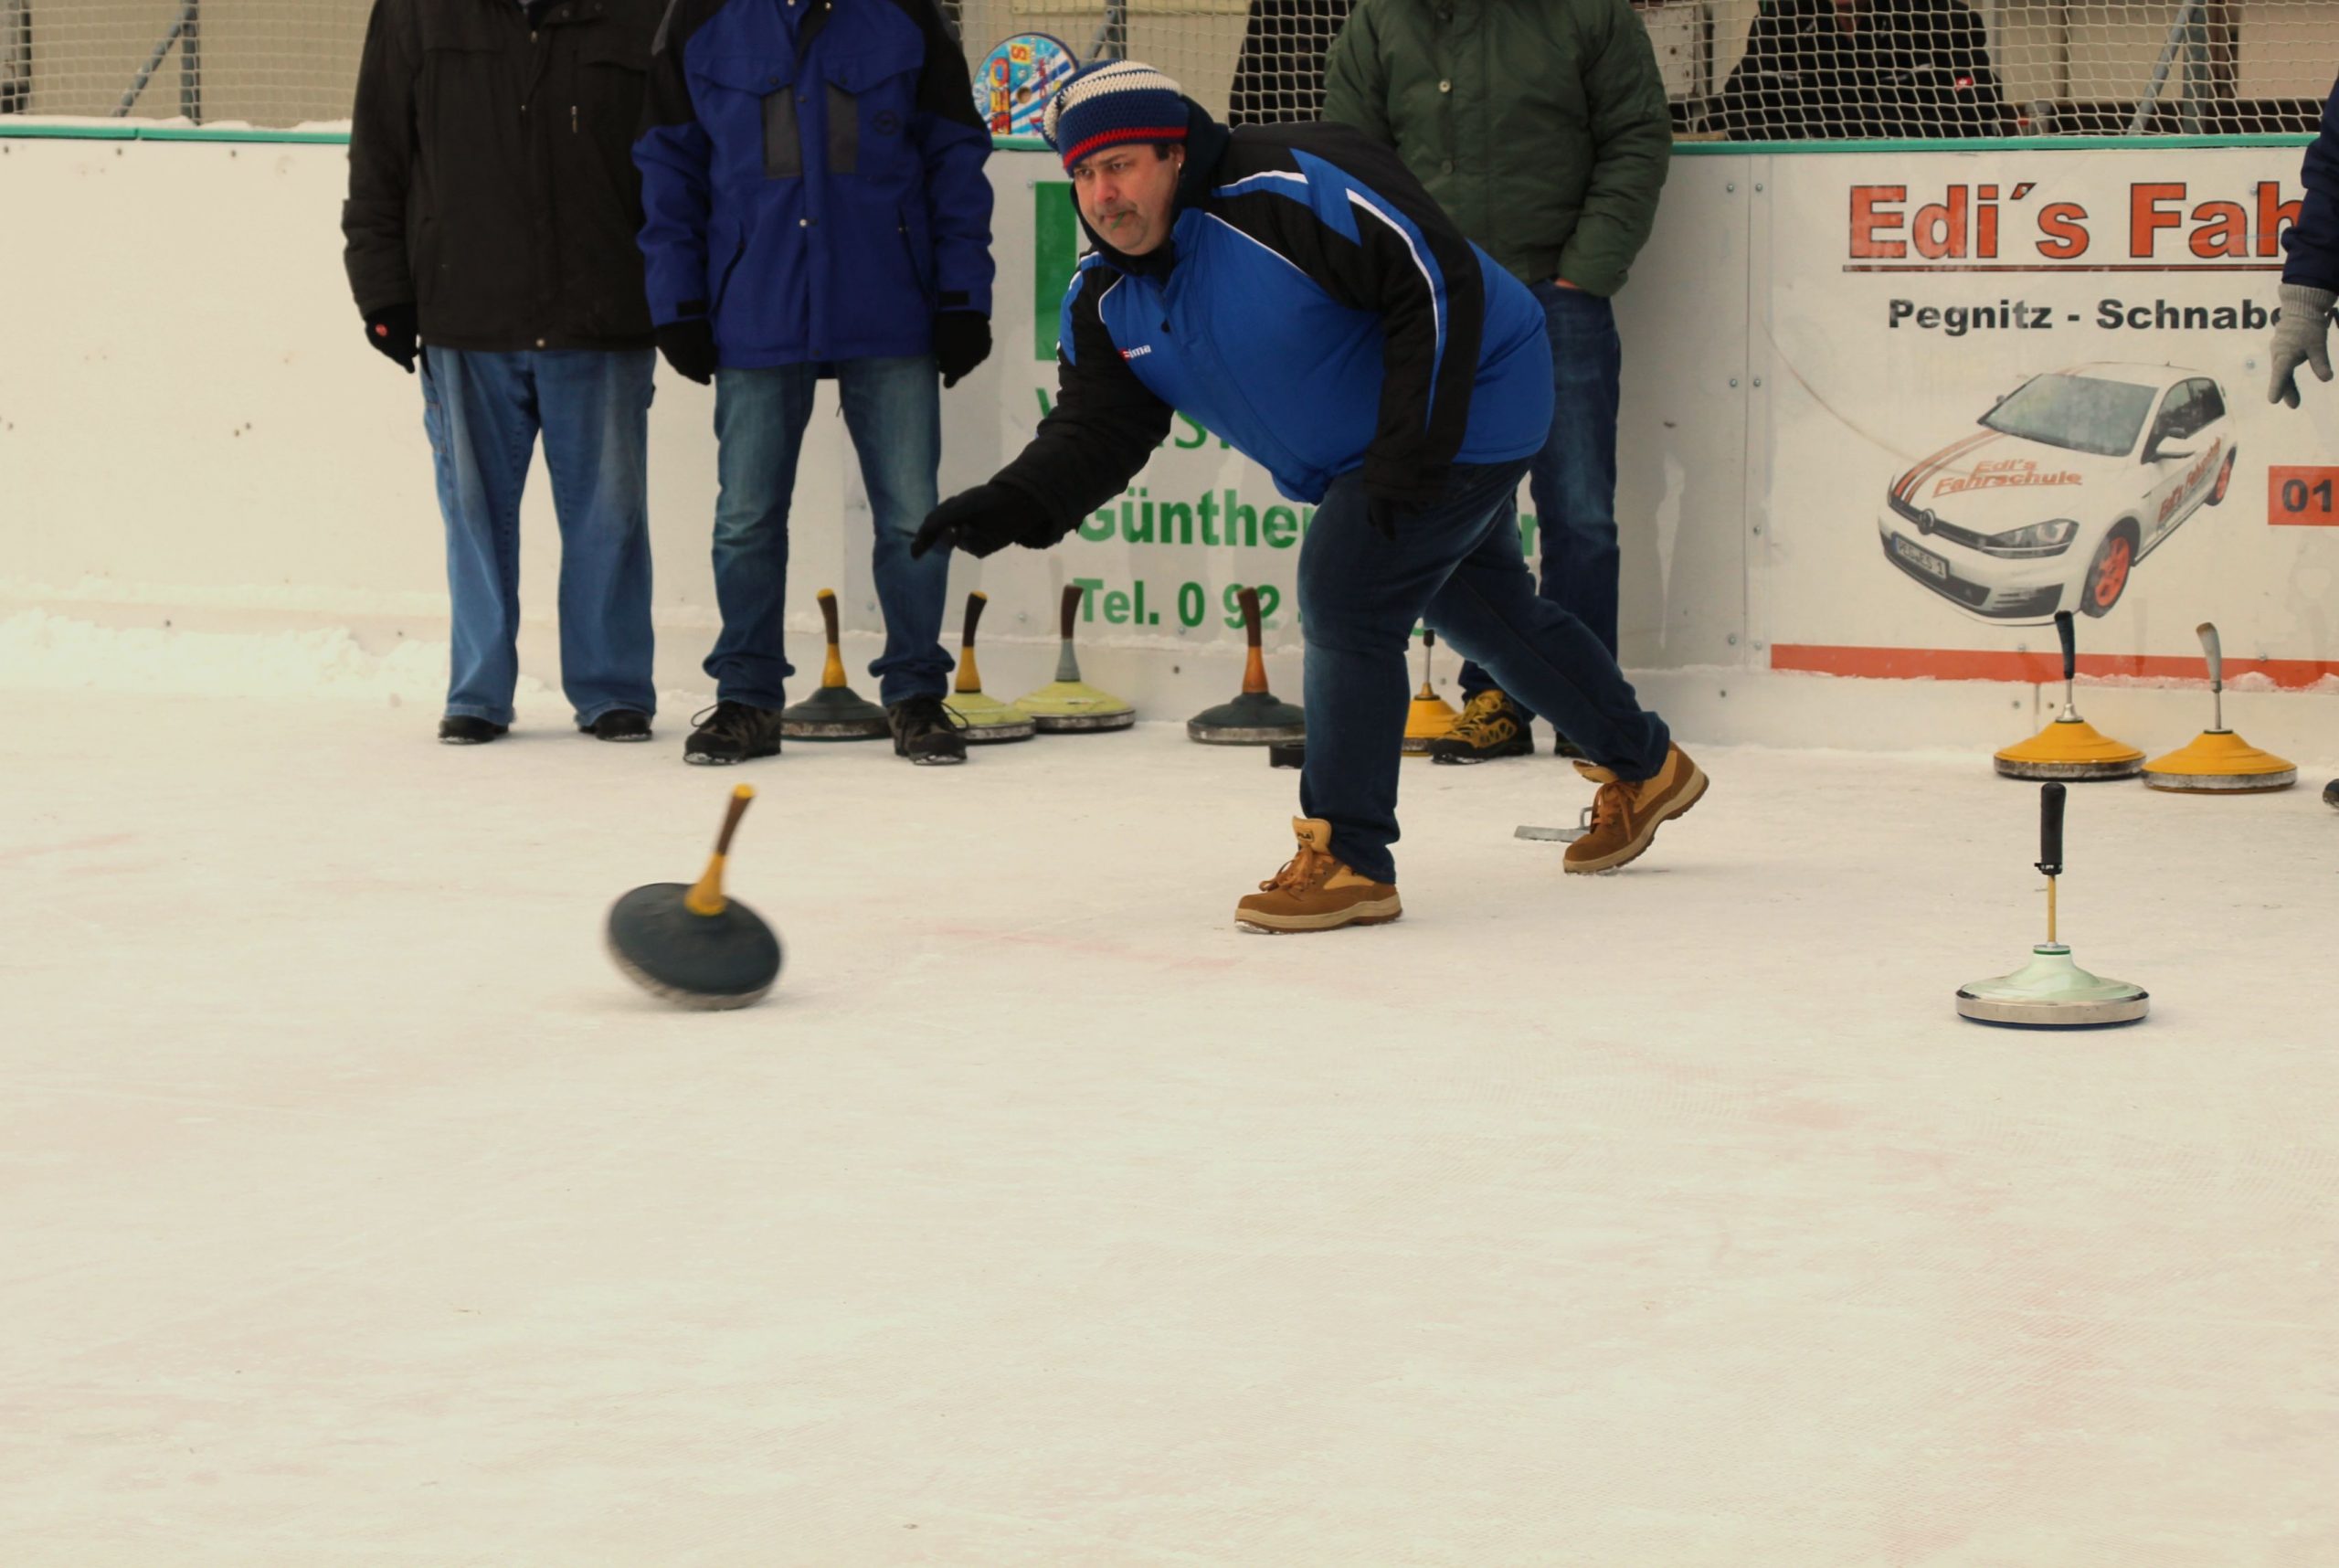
(1314, 892)
(1491, 726)
(1625, 817)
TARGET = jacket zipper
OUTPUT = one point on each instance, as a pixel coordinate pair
(901, 226)
(721, 286)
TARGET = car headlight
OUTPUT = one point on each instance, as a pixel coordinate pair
(2050, 538)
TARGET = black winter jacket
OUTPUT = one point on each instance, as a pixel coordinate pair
(1911, 68)
(2313, 243)
(491, 170)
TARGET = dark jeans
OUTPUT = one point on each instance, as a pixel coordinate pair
(1458, 566)
(484, 413)
(1573, 479)
(893, 411)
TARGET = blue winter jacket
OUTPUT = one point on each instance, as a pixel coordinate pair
(812, 178)
(1316, 309)
(2312, 242)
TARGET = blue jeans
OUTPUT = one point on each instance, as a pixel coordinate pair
(484, 412)
(1573, 478)
(1456, 564)
(893, 411)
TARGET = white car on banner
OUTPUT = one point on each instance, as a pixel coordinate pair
(2073, 478)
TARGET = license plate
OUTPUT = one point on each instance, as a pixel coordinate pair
(1924, 561)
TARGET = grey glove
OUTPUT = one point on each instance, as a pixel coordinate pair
(2299, 338)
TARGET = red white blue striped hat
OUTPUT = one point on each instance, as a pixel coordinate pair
(1110, 103)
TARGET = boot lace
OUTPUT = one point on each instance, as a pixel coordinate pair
(1306, 870)
(1611, 807)
(730, 720)
(923, 715)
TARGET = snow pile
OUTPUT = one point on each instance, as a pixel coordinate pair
(49, 652)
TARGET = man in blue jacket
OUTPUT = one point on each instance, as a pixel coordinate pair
(812, 181)
(2310, 281)
(1294, 289)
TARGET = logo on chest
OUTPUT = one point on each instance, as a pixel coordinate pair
(1140, 351)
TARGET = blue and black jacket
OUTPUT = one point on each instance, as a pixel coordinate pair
(1315, 308)
(812, 178)
(2313, 243)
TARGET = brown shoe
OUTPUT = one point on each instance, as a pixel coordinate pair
(1314, 892)
(1625, 817)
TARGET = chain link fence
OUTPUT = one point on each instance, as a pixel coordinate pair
(1735, 69)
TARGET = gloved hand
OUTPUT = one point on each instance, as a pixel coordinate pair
(2300, 337)
(981, 522)
(392, 332)
(689, 347)
(961, 342)
(1396, 483)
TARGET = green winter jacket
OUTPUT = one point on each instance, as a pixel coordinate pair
(1540, 125)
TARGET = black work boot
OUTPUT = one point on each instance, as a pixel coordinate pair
(733, 732)
(926, 732)
(461, 729)
(1491, 726)
(619, 723)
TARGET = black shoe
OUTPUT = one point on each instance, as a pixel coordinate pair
(928, 733)
(2331, 793)
(461, 729)
(1562, 746)
(619, 723)
(1491, 726)
(733, 732)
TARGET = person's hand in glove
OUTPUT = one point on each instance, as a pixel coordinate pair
(961, 342)
(2300, 338)
(983, 522)
(689, 347)
(392, 331)
(1395, 483)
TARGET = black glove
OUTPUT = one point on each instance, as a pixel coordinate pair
(961, 342)
(392, 331)
(1393, 487)
(983, 522)
(689, 347)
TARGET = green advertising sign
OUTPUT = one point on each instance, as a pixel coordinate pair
(1055, 251)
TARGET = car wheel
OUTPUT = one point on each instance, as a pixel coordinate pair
(2225, 478)
(2107, 574)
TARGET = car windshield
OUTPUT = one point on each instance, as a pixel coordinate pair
(2075, 411)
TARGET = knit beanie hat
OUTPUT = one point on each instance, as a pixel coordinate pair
(1112, 102)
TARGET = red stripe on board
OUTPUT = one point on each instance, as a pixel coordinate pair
(1915, 477)
(1908, 479)
(1970, 452)
(2030, 669)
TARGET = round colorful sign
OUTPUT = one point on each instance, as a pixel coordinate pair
(1012, 82)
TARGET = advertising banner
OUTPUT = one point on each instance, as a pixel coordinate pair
(2004, 385)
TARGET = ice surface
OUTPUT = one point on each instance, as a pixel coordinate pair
(352, 1210)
